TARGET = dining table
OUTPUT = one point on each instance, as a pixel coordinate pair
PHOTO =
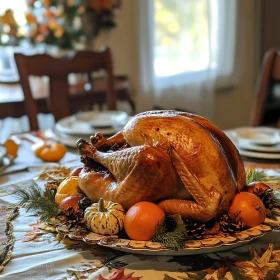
(32, 251)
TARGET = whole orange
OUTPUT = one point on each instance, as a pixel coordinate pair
(142, 219)
(12, 147)
(250, 209)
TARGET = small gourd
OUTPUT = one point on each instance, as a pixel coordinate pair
(104, 217)
(49, 152)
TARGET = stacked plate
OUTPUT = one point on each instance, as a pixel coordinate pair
(256, 142)
(82, 125)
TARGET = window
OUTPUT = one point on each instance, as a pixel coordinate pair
(190, 37)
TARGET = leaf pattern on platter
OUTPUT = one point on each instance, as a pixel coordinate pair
(119, 275)
(167, 277)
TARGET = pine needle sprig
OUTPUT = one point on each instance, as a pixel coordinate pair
(175, 239)
(276, 197)
(39, 201)
(253, 175)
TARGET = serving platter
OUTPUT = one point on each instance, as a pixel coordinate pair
(192, 247)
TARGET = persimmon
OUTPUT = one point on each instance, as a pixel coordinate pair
(248, 207)
(142, 219)
(70, 201)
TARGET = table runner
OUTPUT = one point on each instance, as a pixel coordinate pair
(8, 213)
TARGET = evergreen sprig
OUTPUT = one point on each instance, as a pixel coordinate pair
(38, 200)
(175, 239)
(276, 196)
(253, 175)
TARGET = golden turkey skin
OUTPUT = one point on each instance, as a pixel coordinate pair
(198, 169)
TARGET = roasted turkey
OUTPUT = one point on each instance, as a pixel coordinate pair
(181, 161)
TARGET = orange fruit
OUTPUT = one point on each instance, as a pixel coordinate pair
(250, 208)
(68, 187)
(142, 219)
(12, 147)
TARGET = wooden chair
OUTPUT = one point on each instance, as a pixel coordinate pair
(63, 99)
(266, 106)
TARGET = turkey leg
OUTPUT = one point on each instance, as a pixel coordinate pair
(139, 174)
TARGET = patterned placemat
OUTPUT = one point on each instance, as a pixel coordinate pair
(8, 213)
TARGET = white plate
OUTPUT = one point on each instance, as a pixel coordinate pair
(252, 154)
(3, 151)
(259, 155)
(74, 125)
(258, 135)
(246, 145)
(103, 119)
(67, 140)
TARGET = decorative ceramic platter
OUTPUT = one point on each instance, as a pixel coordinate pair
(192, 247)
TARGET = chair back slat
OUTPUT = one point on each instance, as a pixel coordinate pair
(58, 70)
(263, 111)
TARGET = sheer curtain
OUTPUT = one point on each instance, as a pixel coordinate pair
(187, 52)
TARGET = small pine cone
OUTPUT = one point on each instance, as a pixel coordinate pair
(72, 216)
(195, 230)
(84, 203)
(52, 185)
(268, 199)
(170, 223)
(231, 224)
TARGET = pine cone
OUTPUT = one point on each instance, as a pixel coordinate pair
(195, 230)
(73, 218)
(52, 185)
(231, 224)
(170, 223)
(266, 197)
(84, 203)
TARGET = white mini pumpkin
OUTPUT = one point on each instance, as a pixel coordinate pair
(104, 217)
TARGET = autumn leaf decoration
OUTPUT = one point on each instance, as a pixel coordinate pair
(265, 263)
(119, 275)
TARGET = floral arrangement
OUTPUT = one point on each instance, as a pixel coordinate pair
(68, 23)
(9, 35)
